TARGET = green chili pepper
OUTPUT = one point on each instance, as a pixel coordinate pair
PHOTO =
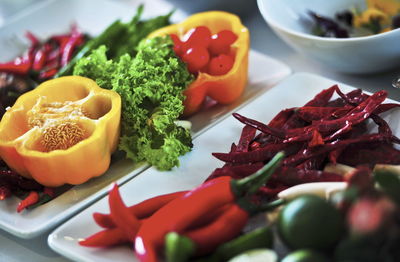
(178, 248)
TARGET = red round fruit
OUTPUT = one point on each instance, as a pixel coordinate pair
(178, 44)
(220, 65)
(196, 57)
(220, 43)
(200, 35)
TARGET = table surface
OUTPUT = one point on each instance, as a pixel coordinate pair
(263, 40)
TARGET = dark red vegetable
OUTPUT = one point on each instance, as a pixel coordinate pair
(30, 200)
(224, 228)
(141, 210)
(325, 129)
(121, 215)
(43, 59)
(180, 214)
(106, 238)
(220, 65)
(4, 192)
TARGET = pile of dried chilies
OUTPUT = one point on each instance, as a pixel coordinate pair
(323, 130)
(43, 59)
(208, 215)
(31, 192)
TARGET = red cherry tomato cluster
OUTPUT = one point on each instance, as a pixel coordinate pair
(204, 52)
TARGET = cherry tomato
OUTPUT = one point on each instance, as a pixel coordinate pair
(220, 65)
(196, 57)
(200, 35)
(178, 44)
(220, 43)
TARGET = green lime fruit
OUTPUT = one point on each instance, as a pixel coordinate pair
(310, 222)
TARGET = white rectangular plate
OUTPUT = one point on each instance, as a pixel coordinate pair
(195, 168)
(92, 16)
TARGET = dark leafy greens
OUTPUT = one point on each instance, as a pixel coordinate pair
(120, 38)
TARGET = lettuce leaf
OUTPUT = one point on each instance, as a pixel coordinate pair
(151, 86)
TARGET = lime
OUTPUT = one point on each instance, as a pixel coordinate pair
(305, 255)
(310, 222)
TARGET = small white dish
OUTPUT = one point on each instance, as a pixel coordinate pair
(196, 166)
(360, 55)
(55, 16)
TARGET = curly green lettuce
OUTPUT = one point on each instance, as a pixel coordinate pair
(151, 86)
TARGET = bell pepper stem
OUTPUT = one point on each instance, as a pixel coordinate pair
(250, 185)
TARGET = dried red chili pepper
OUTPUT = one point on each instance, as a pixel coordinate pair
(236, 171)
(30, 200)
(282, 117)
(311, 113)
(5, 192)
(246, 137)
(179, 214)
(290, 176)
(262, 154)
(141, 210)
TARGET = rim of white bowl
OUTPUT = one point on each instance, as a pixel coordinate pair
(269, 20)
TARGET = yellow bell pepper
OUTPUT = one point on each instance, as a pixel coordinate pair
(369, 15)
(62, 132)
(226, 88)
(389, 7)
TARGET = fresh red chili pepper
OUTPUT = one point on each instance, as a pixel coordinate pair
(30, 200)
(32, 38)
(68, 49)
(39, 60)
(141, 210)
(224, 228)
(121, 215)
(105, 238)
(20, 66)
(48, 74)
(179, 214)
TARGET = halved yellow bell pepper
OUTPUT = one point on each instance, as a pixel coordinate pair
(62, 132)
(226, 88)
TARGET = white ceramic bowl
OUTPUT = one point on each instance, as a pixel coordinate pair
(368, 54)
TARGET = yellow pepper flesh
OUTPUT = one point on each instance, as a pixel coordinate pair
(226, 88)
(62, 132)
